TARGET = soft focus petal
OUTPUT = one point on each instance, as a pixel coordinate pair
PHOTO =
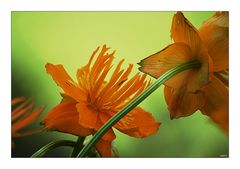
(217, 41)
(25, 120)
(64, 118)
(23, 114)
(104, 148)
(17, 100)
(216, 106)
(182, 103)
(61, 77)
(138, 123)
(183, 31)
(22, 109)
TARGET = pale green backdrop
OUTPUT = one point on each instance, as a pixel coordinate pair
(69, 38)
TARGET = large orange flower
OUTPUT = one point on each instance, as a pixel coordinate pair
(204, 88)
(92, 101)
(23, 115)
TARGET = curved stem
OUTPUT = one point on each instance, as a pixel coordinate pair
(169, 74)
(78, 147)
(53, 145)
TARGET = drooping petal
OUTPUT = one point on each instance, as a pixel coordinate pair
(64, 117)
(216, 39)
(138, 123)
(168, 58)
(61, 77)
(104, 148)
(183, 31)
(216, 106)
(182, 103)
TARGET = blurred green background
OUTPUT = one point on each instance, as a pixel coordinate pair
(69, 38)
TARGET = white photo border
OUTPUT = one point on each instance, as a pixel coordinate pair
(6, 6)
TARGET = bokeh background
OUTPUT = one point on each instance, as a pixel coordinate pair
(69, 38)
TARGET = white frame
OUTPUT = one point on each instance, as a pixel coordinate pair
(6, 6)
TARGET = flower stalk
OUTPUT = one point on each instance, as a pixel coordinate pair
(78, 147)
(53, 145)
(169, 74)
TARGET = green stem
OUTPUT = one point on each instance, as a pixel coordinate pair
(78, 147)
(169, 74)
(53, 145)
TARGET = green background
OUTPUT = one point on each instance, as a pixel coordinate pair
(69, 38)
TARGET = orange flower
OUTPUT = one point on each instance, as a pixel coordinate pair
(91, 102)
(22, 116)
(204, 88)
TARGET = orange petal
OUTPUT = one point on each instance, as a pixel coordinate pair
(109, 135)
(111, 89)
(138, 123)
(219, 18)
(61, 77)
(22, 106)
(104, 148)
(182, 103)
(115, 98)
(24, 121)
(223, 76)
(216, 106)
(103, 118)
(17, 100)
(25, 109)
(88, 117)
(168, 58)
(122, 99)
(183, 31)
(217, 41)
(200, 77)
(64, 117)
(16, 134)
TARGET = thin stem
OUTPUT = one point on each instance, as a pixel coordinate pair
(169, 74)
(53, 145)
(78, 147)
